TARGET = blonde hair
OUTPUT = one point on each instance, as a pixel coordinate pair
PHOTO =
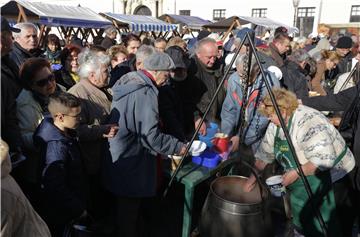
(331, 55)
(286, 100)
(323, 29)
(178, 41)
(115, 49)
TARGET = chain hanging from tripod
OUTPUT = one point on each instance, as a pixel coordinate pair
(244, 79)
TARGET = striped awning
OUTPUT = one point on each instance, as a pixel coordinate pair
(140, 23)
(55, 15)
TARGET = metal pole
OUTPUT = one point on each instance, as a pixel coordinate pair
(203, 118)
(349, 77)
(291, 146)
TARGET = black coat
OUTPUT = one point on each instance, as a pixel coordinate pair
(19, 54)
(10, 89)
(121, 69)
(64, 78)
(203, 83)
(107, 42)
(294, 79)
(170, 111)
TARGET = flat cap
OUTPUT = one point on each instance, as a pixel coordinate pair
(159, 61)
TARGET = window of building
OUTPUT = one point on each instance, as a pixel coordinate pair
(218, 14)
(259, 12)
(184, 12)
(305, 20)
(355, 13)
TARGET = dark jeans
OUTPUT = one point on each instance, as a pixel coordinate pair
(347, 204)
(136, 216)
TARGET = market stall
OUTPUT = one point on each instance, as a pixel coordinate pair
(139, 23)
(229, 24)
(187, 24)
(69, 20)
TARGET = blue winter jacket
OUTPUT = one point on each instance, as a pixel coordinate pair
(130, 167)
(256, 124)
(62, 178)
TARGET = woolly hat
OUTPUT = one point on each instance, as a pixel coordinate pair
(344, 42)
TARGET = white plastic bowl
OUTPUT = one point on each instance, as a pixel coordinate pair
(197, 148)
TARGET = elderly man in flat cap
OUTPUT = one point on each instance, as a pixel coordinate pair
(130, 166)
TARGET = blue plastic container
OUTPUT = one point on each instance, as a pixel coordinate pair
(208, 159)
(207, 140)
(211, 130)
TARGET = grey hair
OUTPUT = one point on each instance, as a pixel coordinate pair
(241, 58)
(143, 52)
(91, 62)
(301, 40)
(237, 42)
(202, 42)
(299, 56)
(110, 29)
(22, 26)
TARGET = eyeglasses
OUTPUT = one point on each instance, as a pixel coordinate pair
(43, 82)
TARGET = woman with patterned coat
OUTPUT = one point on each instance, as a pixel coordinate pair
(324, 157)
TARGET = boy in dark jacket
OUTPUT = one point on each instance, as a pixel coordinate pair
(62, 179)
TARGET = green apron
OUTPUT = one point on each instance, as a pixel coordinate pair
(304, 219)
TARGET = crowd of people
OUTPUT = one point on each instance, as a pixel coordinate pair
(86, 127)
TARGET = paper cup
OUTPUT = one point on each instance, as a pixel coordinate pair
(175, 160)
(275, 185)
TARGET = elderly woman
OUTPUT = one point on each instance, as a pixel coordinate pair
(67, 76)
(39, 84)
(294, 78)
(329, 60)
(322, 153)
(95, 108)
(231, 108)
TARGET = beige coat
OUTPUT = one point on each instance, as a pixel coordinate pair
(95, 109)
(18, 217)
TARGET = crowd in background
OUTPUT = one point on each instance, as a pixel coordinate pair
(87, 126)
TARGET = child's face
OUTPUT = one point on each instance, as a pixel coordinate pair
(52, 46)
(72, 119)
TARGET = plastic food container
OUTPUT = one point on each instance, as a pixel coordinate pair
(208, 159)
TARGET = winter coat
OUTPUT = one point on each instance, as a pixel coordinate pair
(64, 78)
(18, 217)
(276, 56)
(294, 79)
(316, 82)
(231, 109)
(120, 70)
(202, 84)
(130, 166)
(107, 42)
(171, 113)
(30, 114)
(10, 89)
(62, 178)
(314, 140)
(19, 54)
(348, 101)
(95, 109)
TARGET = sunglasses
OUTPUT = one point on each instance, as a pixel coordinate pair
(43, 82)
